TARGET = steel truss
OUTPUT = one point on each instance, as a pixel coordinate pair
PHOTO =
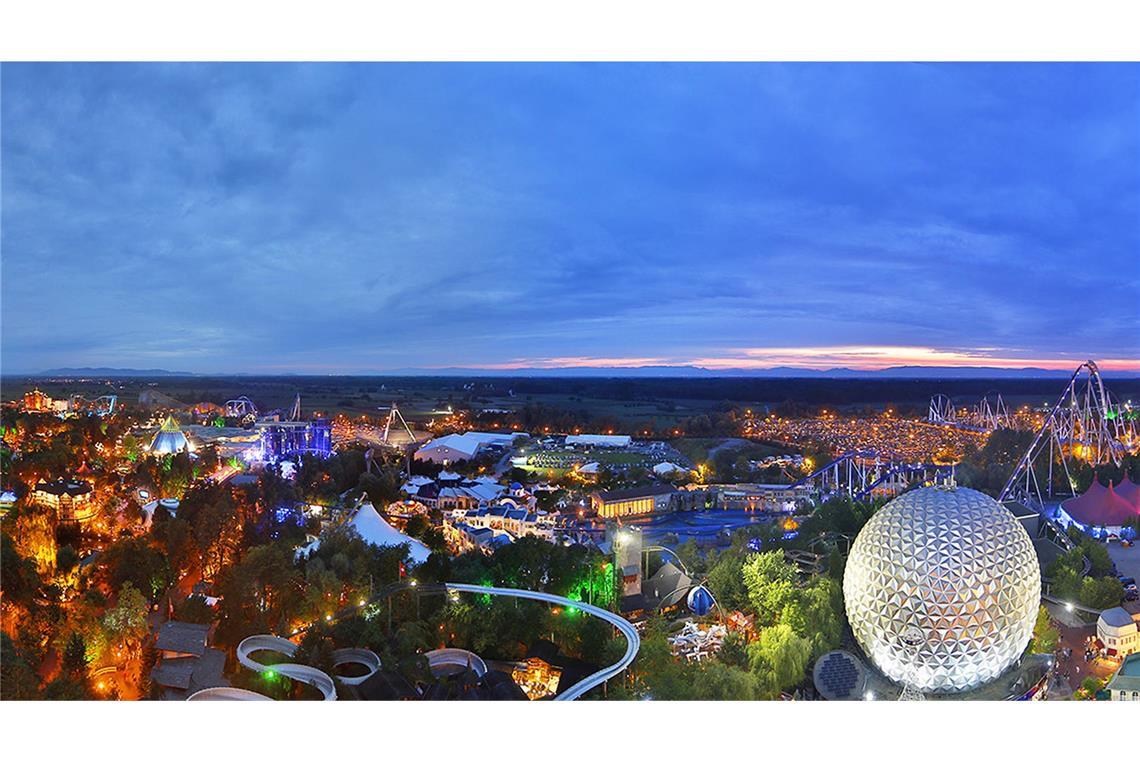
(1086, 423)
(858, 474)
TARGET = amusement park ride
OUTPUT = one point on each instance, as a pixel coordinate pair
(987, 415)
(241, 407)
(1087, 423)
(861, 474)
(395, 416)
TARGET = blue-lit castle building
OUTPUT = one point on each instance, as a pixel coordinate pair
(294, 438)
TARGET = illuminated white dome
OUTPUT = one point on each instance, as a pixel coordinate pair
(942, 588)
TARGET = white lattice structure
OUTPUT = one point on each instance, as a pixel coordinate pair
(942, 587)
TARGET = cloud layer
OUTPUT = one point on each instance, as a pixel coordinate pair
(342, 218)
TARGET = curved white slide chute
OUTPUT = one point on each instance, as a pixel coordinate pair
(324, 683)
(227, 694)
(441, 661)
(318, 679)
(366, 657)
(625, 628)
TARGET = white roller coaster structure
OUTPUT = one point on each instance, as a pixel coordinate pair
(860, 474)
(104, 406)
(1085, 423)
(989, 414)
(240, 407)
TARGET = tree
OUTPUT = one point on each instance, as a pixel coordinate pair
(126, 622)
(261, 593)
(816, 614)
(1045, 636)
(779, 659)
(18, 678)
(1101, 593)
(20, 576)
(74, 661)
(771, 584)
(1089, 687)
(34, 532)
(717, 681)
(193, 609)
(1066, 582)
(734, 650)
(726, 580)
(133, 561)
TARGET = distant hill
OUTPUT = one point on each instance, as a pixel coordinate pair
(660, 371)
(108, 372)
(890, 373)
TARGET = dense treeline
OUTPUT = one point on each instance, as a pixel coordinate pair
(278, 391)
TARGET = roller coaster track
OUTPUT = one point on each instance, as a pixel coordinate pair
(859, 473)
(1086, 422)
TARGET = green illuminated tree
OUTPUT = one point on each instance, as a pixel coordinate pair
(771, 584)
(779, 659)
(126, 623)
(74, 661)
(1045, 635)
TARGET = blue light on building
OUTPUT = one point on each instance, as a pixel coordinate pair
(285, 440)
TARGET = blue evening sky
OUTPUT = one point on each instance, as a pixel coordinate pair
(347, 218)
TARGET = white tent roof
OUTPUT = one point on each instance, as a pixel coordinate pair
(375, 530)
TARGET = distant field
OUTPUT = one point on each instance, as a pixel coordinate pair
(698, 449)
(640, 403)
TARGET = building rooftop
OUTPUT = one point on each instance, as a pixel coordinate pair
(624, 494)
(65, 486)
(183, 638)
(1117, 617)
(1127, 677)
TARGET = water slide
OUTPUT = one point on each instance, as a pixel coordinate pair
(445, 661)
(318, 679)
(624, 627)
(324, 683)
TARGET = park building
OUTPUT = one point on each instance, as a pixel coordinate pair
(1118, 633)
(761, 497)
(459, 447)
(1124, 686)
(294, 438)
(36, 400)
(629, 502)
(185, 662)
(462, 537)
(449, 491)
(169, 439)
(586, 439)
(1102, 511)
(73, 500)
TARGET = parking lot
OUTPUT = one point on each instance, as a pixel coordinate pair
(1127, 560)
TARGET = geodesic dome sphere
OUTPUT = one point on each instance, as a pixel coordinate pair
(942, 587)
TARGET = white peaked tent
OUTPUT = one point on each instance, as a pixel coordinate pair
(375, 530)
